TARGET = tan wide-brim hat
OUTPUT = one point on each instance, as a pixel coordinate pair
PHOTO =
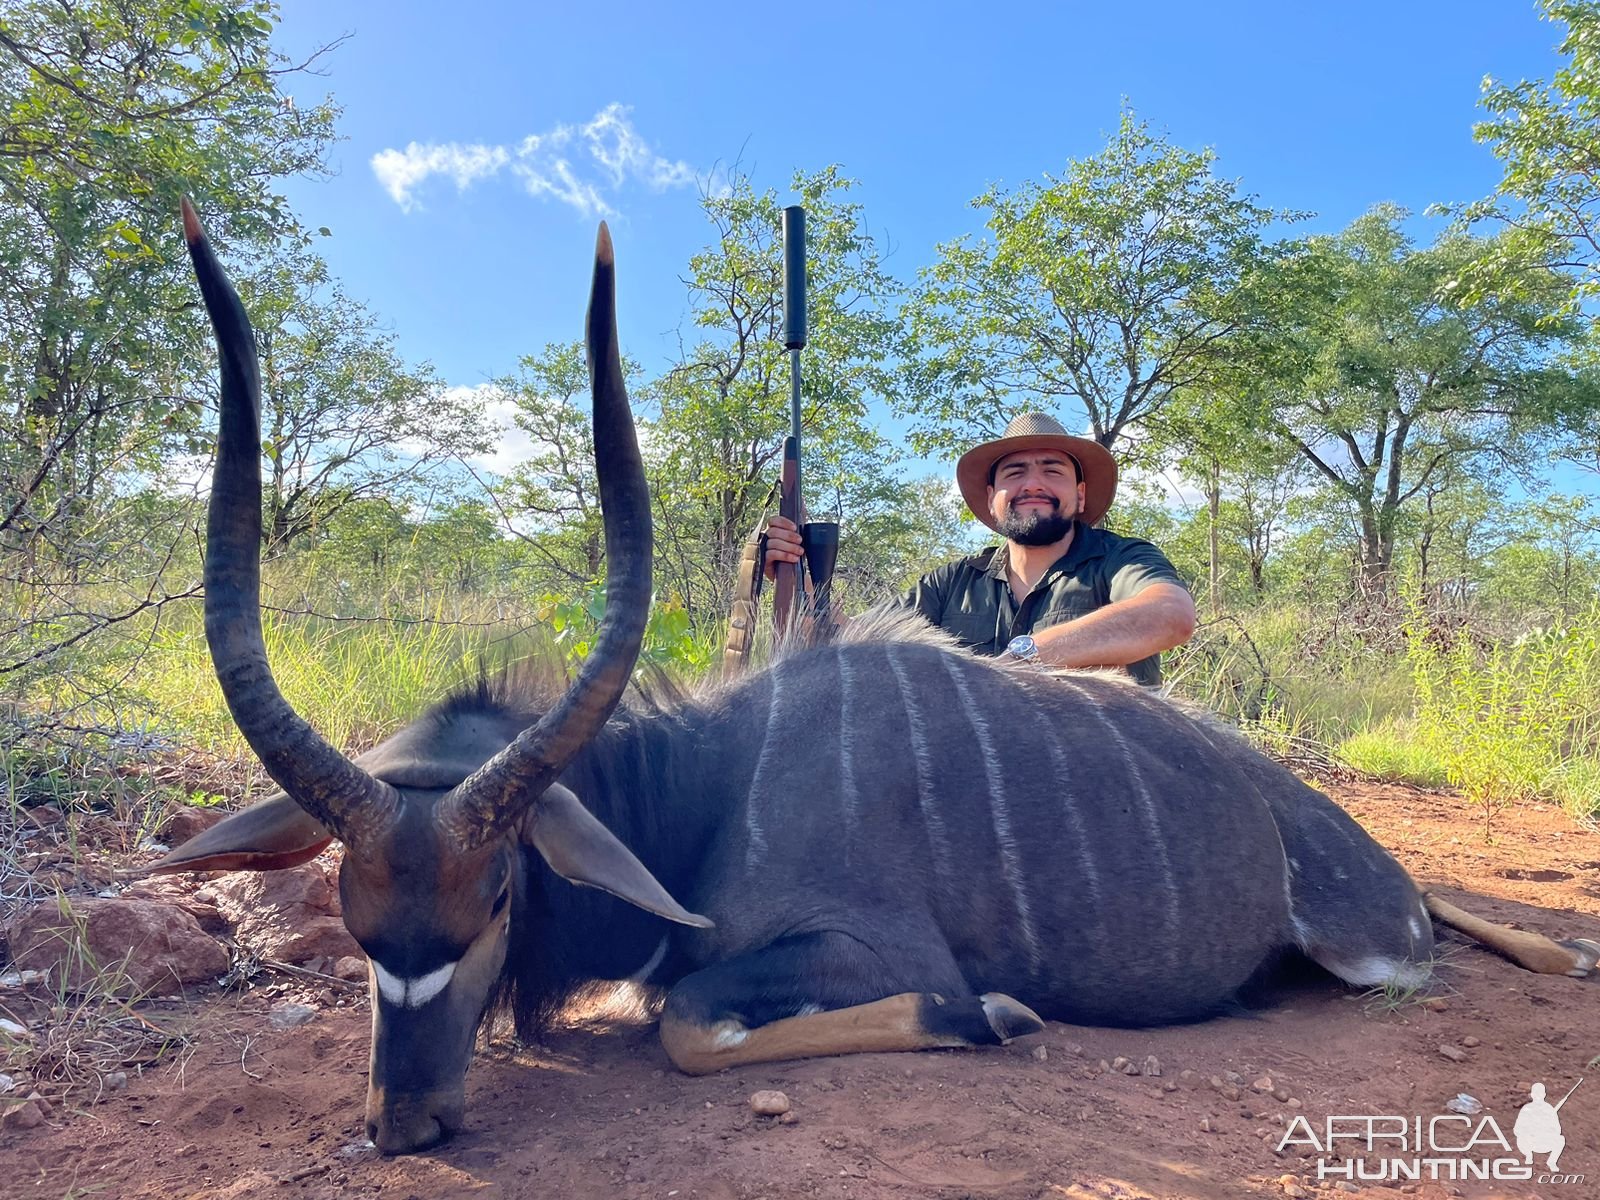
(1037, 431)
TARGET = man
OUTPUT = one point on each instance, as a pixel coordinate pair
(1059, 591)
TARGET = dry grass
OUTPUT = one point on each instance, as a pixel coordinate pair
(76, 1041)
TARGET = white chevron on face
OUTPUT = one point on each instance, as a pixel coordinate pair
(411, 993)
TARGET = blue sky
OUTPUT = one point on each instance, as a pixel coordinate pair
(1330, 108)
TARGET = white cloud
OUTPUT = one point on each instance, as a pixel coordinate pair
(401, 171)
(582, 166)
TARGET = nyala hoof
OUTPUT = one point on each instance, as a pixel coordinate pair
(1586, 955)
(1009, 1018)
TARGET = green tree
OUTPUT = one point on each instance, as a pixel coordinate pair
(1111, 288)
(343, 418)
(1547, 138)
(108, 111)
(723, 409)
(1385, 377)
(550, 498)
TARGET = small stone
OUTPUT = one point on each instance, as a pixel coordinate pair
(769, 1103)
(1216, 1082)
(44, 1105)
(1344, 1185)
(1152, 1065)
(1104, 1066)
(1470, 1042)
(1041, 1054)
(7, 1082)
(287, 1016)
(115, 1081)
(24, 1116)
(350, 968)
(1169, 1087)
(788, 1118)
(14, 1030)
(1295, 1190)
(1120, 1063)
(1454, 1053)
(1205, 1125)
(1292, 1102)
(1233, 1077)
(1186, 1075)
(1281, 1095)
(1230, 1093)
(1265, 1085)
(1435, 1004)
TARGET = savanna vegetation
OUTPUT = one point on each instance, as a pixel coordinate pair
(1370, 453)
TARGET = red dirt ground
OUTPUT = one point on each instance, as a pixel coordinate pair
(250, 1111)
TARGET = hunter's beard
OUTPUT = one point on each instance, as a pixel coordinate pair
(1035, 528)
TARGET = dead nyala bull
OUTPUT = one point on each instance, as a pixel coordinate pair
(888, 838)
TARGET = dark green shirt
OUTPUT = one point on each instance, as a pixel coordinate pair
(971, 598)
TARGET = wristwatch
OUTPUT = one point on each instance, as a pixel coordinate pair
(1023, 648)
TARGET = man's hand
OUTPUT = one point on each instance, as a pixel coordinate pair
(783, 544)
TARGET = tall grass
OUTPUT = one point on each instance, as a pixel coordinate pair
(1512, 720)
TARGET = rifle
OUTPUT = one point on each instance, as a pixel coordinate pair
(819, 539)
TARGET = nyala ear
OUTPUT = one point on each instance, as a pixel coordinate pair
(582, 850)
(269, 836)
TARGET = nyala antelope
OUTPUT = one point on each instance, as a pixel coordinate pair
(880, 840)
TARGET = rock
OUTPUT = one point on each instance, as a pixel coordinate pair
(1152, 1065)
(1205, 1125)
(1292, 1102)
(1344, 1185)
(7, 1082)
(291, 916)
(1470, 1042)
(1281, 1095)
(182, 891)
(1265, 1085)
(351, 967)
(45, 1106)
(115, 1081)
(1120, 1063)
(788, 1118)
(187, 821)
(24, 1116)
(134, 947)
(1169, 1087)
(1454, 1053)
(13, 1029)
(1293, 1189)
(1233, 1077)
(287, 1016)
(1434, 1003)
(1042, 1054)
(1230, 1093)
(769, 1103)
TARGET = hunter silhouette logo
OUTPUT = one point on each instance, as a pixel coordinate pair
(1451, 1146)
(1538, 1127)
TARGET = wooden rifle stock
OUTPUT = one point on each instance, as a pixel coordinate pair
(786, 576)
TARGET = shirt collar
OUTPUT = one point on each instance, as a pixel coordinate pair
(1087, 543)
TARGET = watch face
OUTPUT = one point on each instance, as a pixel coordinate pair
(1022, 647)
